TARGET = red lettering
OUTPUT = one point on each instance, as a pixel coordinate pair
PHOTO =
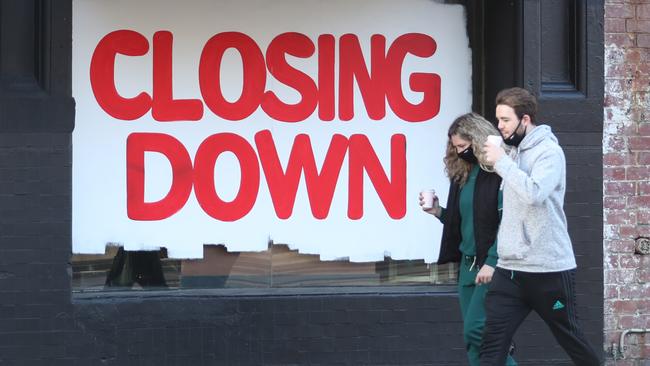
(136, 145)
(297, 45)
(392, 193)
(254, 75)
(102, 74)
(165, 107)
(326, 44)
(429, 84)
(283, 185)
(352, 66)
(382, 83)
(204, 162)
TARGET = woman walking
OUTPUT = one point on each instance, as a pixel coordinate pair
(471, 221)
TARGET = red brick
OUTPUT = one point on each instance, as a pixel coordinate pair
(642, 96)
(643, 40)
(643, 217)
(617, 86)
(618, 276)
(632, 55)
(617, 159)
(637, 114)
(620, 246)
(643, 274)
(641, 85)
(618, 90)
(637, 173)
(610, 100)
(627, 362)
(615, 203)
(644, 188)
(615, 143)
(620, 188)
(625, 307)
(643, 158)
(638, 202)
(625, 71)
(614, 25)
(637, 26)
(610, 174)
(626, 217)
(619, 39)
(643, 129)
(642, 11)
(619, 11)
(622, 129)
(643, 68)
(629, 232)
(639, 143)
(631, 321)
(629, 261)
(634, 291)
(642, 230)
(644, 53)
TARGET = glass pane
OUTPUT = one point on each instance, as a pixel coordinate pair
(278, 266)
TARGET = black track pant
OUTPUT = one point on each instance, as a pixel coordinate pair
(511, 297)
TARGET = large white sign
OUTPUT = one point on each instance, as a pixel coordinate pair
(307, 122)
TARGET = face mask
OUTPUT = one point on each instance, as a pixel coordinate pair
(468, 155)
(515, 139)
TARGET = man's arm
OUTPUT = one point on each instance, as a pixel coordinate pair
(544, 177)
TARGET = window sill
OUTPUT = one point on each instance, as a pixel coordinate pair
(126, 295)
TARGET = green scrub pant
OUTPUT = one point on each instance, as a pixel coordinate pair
(472, 307)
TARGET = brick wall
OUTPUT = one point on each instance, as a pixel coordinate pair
(626, 174)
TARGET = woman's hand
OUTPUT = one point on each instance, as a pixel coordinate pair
(484, 275)
(435, 210)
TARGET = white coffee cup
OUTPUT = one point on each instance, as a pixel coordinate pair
(427, 198)
(495, 140)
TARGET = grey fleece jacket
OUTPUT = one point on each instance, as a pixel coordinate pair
(533, 234)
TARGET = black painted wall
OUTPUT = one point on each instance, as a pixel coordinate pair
(42, 323)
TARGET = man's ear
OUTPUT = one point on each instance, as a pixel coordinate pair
(525, 120)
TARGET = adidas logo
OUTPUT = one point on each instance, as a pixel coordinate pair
(558, 305)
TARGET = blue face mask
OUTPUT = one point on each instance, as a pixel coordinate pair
(468, 155)
(515, 139)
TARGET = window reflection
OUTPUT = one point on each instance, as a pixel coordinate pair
(278, 266)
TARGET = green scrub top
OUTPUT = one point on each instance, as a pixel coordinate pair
(466, 203)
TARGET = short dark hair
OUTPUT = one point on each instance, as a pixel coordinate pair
(519, 99)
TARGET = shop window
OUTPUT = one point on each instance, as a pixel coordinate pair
(276, 267)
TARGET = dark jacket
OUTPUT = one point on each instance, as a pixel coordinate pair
(486, 219)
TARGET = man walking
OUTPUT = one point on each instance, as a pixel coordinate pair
(536, 265)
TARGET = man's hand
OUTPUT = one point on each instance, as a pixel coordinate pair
(492, 153)
(484, 276)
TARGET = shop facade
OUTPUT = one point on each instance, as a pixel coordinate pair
(291, 317)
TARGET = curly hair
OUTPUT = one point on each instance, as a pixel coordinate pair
(475, 129)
